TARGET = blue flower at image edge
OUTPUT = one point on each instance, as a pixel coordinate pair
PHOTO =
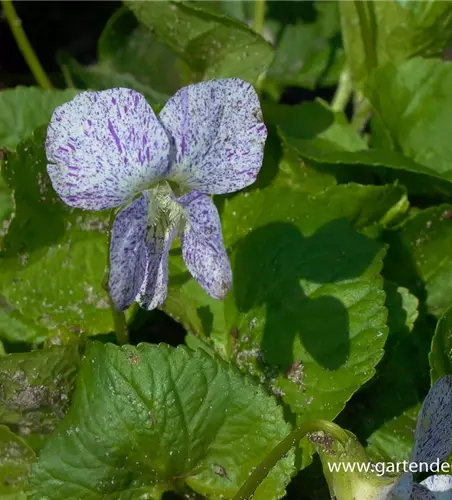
(433, 442)
(108, 150)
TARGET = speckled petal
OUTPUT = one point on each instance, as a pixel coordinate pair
(104, 148)
(433, 438)
(203, 247)
(218, 135)
(160, 237)
(128, 253)
(420, 492)
(440, 485)
(139, 257)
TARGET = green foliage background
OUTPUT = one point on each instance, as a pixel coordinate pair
(341, 302)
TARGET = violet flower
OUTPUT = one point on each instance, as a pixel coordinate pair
(433, 442)
(108, 149)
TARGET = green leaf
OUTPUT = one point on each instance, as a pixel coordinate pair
(16, 458)
(14, 327)
(126, 47)
(6, 206)
(309, 54)
(394, 440)
(36, 388)
(153, 418)
(283, 167)
(403, 311)
(54, 258)
(413, 109)
(103, 76)
(418, 257)
(24, 108)
(314, 120)
(213, 45)
(306, 314)
(440, 356)
(377, 32)
(243, 10)
(384, 412)
(388, 165)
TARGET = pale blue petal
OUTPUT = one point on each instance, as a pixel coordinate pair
(440, 485)
(139, 256)
(218, 135)
(400, 490)
(128, 253)
(421, 493)
(160, 236)
(203, 248)
(433, 439)
(104, 148)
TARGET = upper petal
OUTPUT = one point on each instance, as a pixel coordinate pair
(128, 253)
(202, 245)
(104, 148)
(218, 135)
(433, 439)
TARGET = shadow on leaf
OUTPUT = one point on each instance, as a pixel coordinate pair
(295, 277)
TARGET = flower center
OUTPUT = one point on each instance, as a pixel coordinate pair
(164, 212)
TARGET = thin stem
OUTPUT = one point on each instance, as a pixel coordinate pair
(133, 311)
(361, 113)
(24, 45)
(363, 11)
(343, 92)
(120, 324)
(281, 449)
(119, 318)
(259, 16)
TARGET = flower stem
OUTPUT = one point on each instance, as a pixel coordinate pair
(259, 16)
(119, 318)
(343, 92)
(281, 449)
(24, 45)
(364, 14)
(120, 324)
(361, 113)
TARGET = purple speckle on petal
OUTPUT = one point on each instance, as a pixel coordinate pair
(114, 135)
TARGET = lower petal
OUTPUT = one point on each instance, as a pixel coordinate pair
(420, 492)
(139, 257)
(153, 290)
(203, 247)
(128, 253)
